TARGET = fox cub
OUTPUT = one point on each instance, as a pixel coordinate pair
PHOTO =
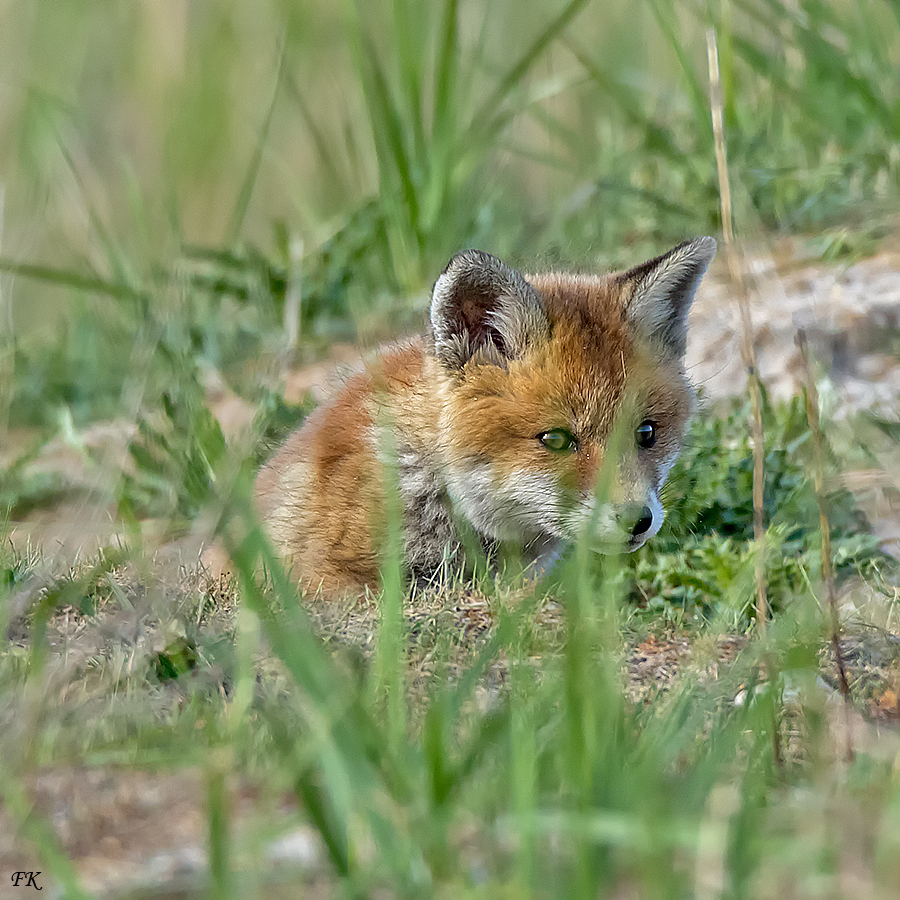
(496, 423)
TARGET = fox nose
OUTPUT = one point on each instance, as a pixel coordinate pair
(643, 522)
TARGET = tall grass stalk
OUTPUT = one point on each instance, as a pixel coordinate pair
(812, 414)
(221, 877)
(390, 659)
(748, 350)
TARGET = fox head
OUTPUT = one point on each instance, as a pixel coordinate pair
(564, 397)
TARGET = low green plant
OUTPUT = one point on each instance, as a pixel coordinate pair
(179, 451)
(176, 455)
(702, 559)
(22, 490)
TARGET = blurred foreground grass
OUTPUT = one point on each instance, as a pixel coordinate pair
(199, 196)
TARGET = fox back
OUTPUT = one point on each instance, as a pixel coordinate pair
(536, 411)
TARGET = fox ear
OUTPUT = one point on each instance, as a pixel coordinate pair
(481, 307)
(661, 292)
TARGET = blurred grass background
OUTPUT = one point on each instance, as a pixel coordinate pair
(199, 193)
(378, 139)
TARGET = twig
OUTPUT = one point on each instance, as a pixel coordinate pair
(812, 415)
(748, 351)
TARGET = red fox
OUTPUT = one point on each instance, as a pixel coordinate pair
(497, 423)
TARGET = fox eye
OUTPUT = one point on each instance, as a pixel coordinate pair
(645, 434)
(557, 439)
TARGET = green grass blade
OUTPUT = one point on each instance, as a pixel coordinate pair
(488, 118)
(390, 659)
(832, 60)
(664, 12)
(221, 879)
(117, 261)
(331, 828)
(327, 154)
(440, 184)
(446, 70)
(398, 190)
(395, 159)
(242, 202)
(411, 53)
(75, 280)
